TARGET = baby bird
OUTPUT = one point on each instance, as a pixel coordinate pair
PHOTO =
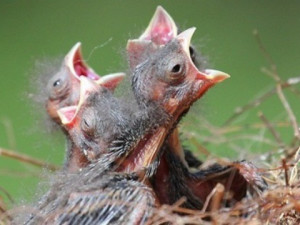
(161, 30)
(96, 120)
(173, 179)
(63, 90)
(133, 154)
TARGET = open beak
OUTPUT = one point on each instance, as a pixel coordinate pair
(161, 28)
(68, 114)
(145, 153)
(88, 86)
(216, 76)
(209, 77)
(76, 65)
(111, 81)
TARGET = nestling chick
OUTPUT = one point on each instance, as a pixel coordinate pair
(161, 30)
(96, 120)
(63, 90)
(173, 179)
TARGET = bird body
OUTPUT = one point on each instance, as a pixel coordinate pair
(173, 179)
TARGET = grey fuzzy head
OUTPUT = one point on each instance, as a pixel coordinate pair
(163, 75)
(43, 71)
(100, 120)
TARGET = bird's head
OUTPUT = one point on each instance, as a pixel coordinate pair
(161, 30)
(94, 119)
(63, 88)
(169, 76)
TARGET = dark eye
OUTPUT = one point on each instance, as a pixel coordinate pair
(176, 69)
(196, 59)
(192, 52)
(193, 55)
(88, 126)
(176, 72)
(57, 83)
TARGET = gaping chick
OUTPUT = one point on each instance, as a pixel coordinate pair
(173, 179)
(63, 90)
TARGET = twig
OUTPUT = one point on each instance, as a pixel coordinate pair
(27, 159)
(289, 111)
(217, 198)
(267, 57)
(285, 103)
(208, 199)
(272, 130)
(286, 175)
(19, 174)
(237, 128)
(256, 102)
(274, 74)
(9, 132)
(7, 194)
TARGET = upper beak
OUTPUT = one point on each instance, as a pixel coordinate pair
(209, 75)
(111, 81)
(73, 55)
(216, 76)
(69, 113)
(161, 28)
(87, 86)
(76, 64)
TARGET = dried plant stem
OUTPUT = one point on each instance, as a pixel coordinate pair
(27, 159)
(274, 74)
(285, 103)
(272, 130)
(289, 111)
(256, 102)
(217, 198)
(286, 174)
(7, 194)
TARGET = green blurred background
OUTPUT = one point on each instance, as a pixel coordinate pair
(30, 30)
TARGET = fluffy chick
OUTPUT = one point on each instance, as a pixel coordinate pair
(136, 149)
(63, 89)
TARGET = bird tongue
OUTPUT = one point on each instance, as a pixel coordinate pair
(82, 70)
(145, 153)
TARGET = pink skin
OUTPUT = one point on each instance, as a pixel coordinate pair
(80, 67)
(161, 28)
